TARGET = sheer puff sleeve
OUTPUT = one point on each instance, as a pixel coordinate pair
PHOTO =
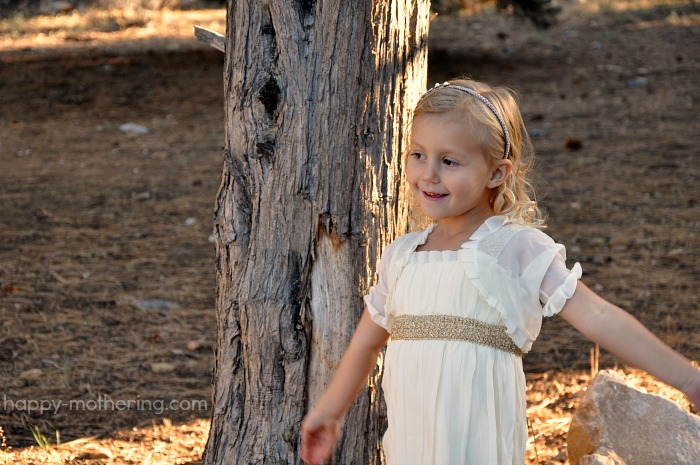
(379, 300)
(521, 272)
(376, 298)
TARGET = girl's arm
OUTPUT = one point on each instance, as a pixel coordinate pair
(620, 333)
(321, 427)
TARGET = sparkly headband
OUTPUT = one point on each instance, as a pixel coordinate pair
(486, 102)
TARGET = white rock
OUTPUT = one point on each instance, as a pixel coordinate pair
(133, 128)
(642, 429)
(95, 452)
(163, 367)
(31, 375)
(639, 81)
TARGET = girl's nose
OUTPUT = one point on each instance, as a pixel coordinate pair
(430, 173)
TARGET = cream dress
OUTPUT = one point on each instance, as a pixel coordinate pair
(457, 402)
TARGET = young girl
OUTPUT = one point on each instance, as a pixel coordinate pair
(464, 299)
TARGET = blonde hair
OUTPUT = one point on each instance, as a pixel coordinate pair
(515, 197)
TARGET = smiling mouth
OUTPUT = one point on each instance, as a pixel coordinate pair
(434, 195)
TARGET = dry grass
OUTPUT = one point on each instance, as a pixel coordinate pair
(110, 27)
(157, 444)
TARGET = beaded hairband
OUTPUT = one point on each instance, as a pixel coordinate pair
(485, 101)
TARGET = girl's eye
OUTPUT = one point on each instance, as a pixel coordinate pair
(448, 162)
(417, 155)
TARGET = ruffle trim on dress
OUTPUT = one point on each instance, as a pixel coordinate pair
(467, 255)
(490, 225)
(563, 293)
(414, 240)
(423, 257)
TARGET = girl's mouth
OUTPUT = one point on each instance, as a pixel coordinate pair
(434, 195)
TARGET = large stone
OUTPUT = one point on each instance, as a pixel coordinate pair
(640, 428)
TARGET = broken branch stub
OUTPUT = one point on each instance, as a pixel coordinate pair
(212, 38)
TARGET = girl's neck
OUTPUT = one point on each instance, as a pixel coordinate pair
(450, 234)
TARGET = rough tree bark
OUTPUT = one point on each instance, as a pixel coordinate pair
(318, 94)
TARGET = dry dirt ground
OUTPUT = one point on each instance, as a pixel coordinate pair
(106, 266)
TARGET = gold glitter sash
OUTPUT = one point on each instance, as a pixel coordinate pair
(454, 328)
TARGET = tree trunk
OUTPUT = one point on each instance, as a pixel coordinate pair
(318, 96)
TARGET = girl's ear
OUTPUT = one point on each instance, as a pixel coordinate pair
(500, 173)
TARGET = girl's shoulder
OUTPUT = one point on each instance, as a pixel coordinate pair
(497, 235)
(415, 237)
(523, 233)
(406, 243)
(397, 252)
(519, 242)
(517, 247)
(530, 234)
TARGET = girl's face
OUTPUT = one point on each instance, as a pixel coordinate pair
(447, 169)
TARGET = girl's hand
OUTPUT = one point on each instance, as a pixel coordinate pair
(319, 433)
(321, 427)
